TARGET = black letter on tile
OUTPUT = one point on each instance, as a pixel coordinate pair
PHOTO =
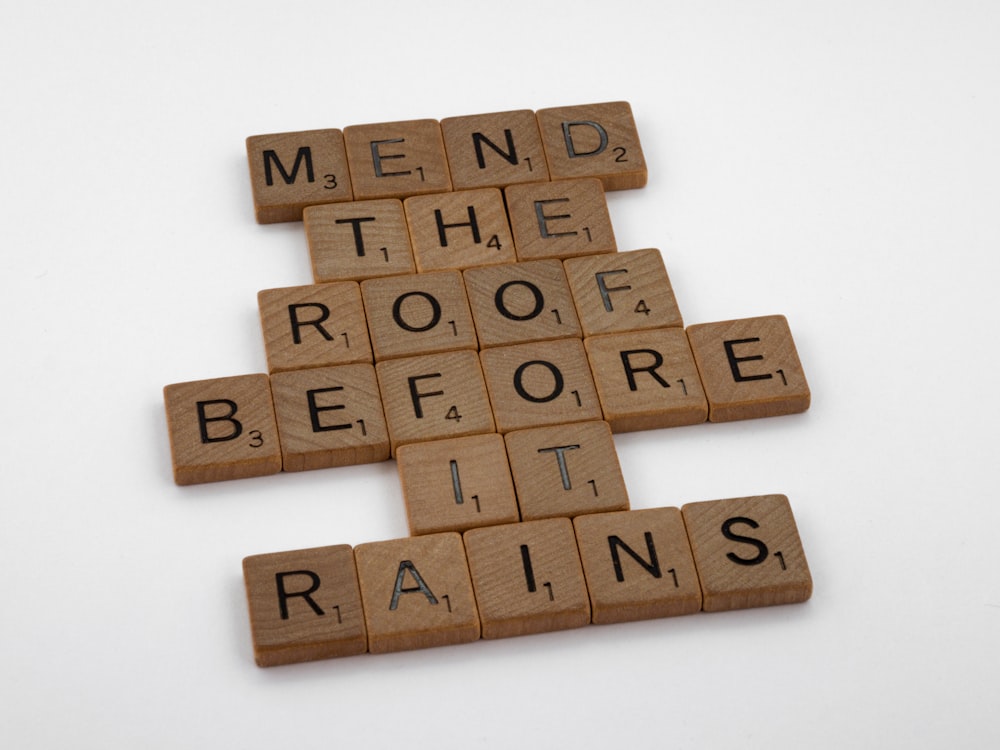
(284, 596)
(293, 318)
(652, 567)
(734, 361)
(728, 533)
(510, 155)
(422, 587)
(535, 292)
(304, 155)
(204, 419)
(651, 369)
(557, 386)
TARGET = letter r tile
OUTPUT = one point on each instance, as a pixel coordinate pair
(289, 171)
(416, 593)
(748, 552)
(222, 428)
(304, 605)
(314, 326)
(749, 368)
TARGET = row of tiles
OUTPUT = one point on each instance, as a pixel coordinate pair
(518, 579)
(290, 171)
(252, 425)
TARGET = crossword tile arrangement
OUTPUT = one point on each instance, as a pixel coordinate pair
(473, 318)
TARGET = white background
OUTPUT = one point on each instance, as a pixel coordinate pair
(836, 162)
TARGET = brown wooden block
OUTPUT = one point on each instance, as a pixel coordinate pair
(627, 291)
(646, 379)
(520, 302)
(748, 552)
(222, 428)
(314, 326)
(638, 565)
(433, 397)
(289, 171)
(527, 578)
(329, 416)
(749, 368)
(304, 605)
(593, 140)
(418, 314)
(459, 230)
(416, 593)
(560, 219)
(566, 470)
(457, 484)
(494, 150)
(540, 383)
(396, 159)
(358, 240)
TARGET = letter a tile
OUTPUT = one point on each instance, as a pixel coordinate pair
(416, 593)
(304, 605)
(749, 368)
(748, 552)
(222, 428)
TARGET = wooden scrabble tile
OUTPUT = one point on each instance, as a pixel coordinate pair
(416, 593)
(748, 552)
(434, 396)
(459, 230)
(457, 484)
(520, 302)
(527, 578)
(646, 379)
(627, 291)
(559, 219)
(314, 326)
(566, 470)
(638, 565)
(396, 159)
(494, 150)
(222, 428)
(749, 368)
(329, 416)
(304, 605)
(418, 314)
(593, 140)
(289, 171)
(540, 383)
(358, 240)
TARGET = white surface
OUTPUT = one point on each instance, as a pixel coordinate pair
(835, 162)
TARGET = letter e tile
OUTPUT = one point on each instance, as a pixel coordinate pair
(638, 565)
(416, 593)
(749, 368)
(527, 578)
(396, 159)
(560, 219)
(304, 605)
(222, 428)
(748, 552)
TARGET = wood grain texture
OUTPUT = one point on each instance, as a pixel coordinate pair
(418, 314)
(638, 565)
(748, 552)
(358, 240)
(463, 229)
(433, 397)
(593, 140)
(396, 159)
(416, 593)
(520, 302)
(314, 326)
(566, 470)
(456, 484)
(329, 416)
(560, 219)
(222, 428)
(527, 578)
(494, 150)
(289, 171)
(540, 383)
(304, 605)
(749, 368)
(628, 291)
(646, 379)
